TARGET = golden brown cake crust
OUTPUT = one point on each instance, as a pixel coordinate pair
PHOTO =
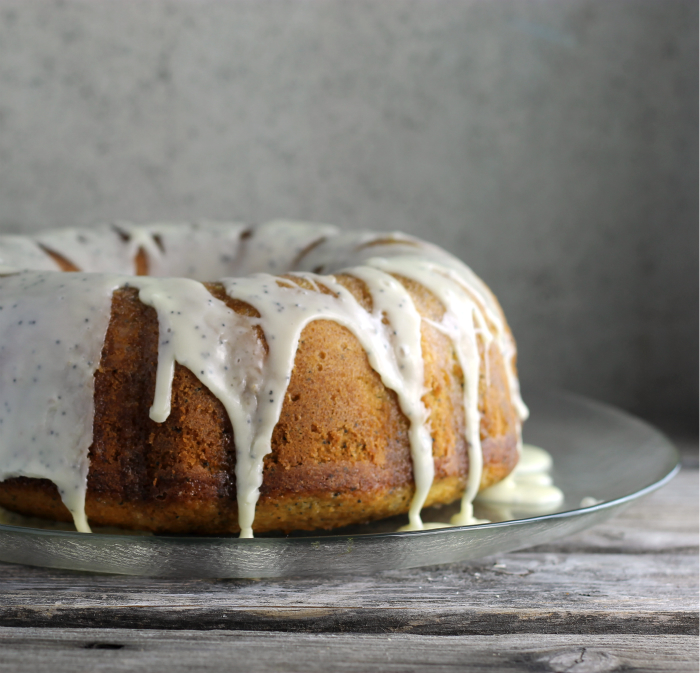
(340, 451)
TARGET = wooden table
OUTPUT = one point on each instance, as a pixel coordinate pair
(621, 596)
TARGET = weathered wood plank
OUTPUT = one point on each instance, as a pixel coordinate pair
(368, 621)
(665, 521)
(549, 593)
(67, 650)
(638, 582)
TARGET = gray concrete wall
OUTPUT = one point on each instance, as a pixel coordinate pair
(552, 145)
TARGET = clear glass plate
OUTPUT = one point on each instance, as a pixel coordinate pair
(599, 452)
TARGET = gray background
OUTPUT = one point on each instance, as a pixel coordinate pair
(552, 145)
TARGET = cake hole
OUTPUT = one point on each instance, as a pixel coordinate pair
(246, 234)
(103, 646)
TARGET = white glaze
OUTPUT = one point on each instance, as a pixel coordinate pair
(528, 485)
(403, 334)
(198, 251)
(533, 459)
(285, 309)
(470, 308)
(276, 247)
(220, 347)
(20, 252)
(97, 250)
(52, 327)
(463, 323)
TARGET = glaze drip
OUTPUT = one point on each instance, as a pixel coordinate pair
(395, 354)
(50, 347)
(221, 347)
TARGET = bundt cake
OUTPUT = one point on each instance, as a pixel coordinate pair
(328, 378)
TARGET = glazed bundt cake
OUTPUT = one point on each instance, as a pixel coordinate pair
(326, 379)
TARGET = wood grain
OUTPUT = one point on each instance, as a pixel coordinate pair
(591, 593)
(69, 650)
